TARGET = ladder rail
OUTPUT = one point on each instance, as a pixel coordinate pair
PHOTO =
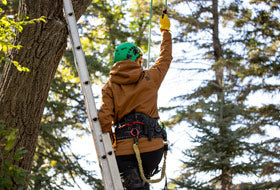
(103, 145)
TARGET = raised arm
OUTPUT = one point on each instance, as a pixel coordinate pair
(158, 71)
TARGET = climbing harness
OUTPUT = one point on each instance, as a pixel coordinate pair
(137, 125)
(138, 122)
(150, 30)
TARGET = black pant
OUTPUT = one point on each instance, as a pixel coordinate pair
(129, 169)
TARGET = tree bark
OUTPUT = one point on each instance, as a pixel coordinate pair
(23, 94)
(226, 175)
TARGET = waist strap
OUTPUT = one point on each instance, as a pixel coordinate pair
(138, 124)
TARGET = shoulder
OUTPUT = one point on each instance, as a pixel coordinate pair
(107, 88)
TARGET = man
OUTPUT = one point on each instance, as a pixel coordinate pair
(129, 101)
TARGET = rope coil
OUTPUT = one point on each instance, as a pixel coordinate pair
(137, 152)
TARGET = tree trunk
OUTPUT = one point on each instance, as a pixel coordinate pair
(23, 94)
(226, 176)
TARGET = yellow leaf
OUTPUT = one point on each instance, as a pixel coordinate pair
(251, 55)
(25, 69)
(5, 48)
(11, 167)
(4, 2)
(53, 163)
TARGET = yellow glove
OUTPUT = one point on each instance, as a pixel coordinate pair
(164, 21)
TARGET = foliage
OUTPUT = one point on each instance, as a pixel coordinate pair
(10, 171)
(9, 28)
(64, 113)
(103, 30)
(231, 135)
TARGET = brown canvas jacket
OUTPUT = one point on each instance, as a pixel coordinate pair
(130, 88)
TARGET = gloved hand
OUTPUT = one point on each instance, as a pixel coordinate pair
(164, 21)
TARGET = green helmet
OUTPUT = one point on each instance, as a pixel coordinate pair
(127, 51)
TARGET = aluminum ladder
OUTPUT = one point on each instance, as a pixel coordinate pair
(103, 144)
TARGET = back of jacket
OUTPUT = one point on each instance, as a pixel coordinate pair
(130, 88)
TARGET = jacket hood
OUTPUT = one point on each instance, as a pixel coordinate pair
(125, 72)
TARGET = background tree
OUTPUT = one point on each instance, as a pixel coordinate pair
(61, 123)
(23, 95)
(219, 109)
(10, 172)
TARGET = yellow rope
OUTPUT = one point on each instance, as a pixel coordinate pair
(137, 152)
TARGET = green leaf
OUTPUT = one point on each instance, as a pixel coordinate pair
(9, 145)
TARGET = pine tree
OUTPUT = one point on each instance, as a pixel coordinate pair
(244, 52)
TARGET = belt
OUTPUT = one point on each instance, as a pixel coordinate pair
(140, 125)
